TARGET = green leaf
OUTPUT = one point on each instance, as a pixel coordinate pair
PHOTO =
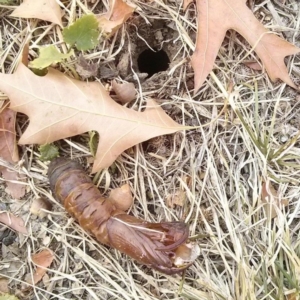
(93, 141)
(7, 2)
(83, 33)
(48, 152)
(8, 296)
(40, 72)
(49, 55)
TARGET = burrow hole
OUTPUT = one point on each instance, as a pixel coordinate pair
(151, 62)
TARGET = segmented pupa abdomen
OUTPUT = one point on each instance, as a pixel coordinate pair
(81, 198)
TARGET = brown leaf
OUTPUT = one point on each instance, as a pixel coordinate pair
(215, 17)
(122, 197)
(14, 222)
(25, 54)
(8, 146)
(4, 285)
(178, 198)
(47, 10)
(293, 296)
(124, 91)
(186, 4)
(42, 260)
(273, 203)
(253, 65)
(9, 152)
(59, 107)
(84, 69)
(111, 21)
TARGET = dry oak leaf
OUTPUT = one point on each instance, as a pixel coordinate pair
(111, 21)
(215, 17)
(59, 107)
(254, 65)
(9, 152)
(186, 4)
(13, 222)
(42, 260)
(47, 10)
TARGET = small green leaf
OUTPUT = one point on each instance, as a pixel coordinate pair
(8, 296)
(40, 72)
(7, 2)
(49, 55)
(83, 33)
(93, 142)
(48, 152)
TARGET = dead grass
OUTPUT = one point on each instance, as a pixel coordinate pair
(247, 132)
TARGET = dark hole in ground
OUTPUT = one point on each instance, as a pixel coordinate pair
(153, 62)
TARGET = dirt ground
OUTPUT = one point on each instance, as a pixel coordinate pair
(211, 176)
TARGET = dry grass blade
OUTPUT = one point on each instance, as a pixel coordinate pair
(250, 133)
